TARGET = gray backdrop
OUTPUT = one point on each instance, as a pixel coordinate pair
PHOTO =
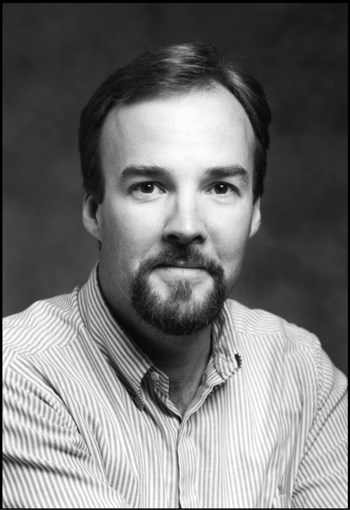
(55, 55)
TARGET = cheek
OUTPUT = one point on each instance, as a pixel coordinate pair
(232, 250)
(128, 233)
(229, 238)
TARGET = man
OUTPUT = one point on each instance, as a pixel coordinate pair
(147, 387)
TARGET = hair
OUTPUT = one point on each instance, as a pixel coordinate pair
(166, 72)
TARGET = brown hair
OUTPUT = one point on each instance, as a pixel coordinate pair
(169, 71)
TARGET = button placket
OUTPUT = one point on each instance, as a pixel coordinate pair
(187, 466)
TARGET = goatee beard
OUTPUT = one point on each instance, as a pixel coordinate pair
(176, 314)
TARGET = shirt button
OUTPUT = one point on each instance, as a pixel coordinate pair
(138, 402)
(155, 376)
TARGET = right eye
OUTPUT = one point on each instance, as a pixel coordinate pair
(142, 189)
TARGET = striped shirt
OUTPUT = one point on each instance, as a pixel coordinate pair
(88, 422)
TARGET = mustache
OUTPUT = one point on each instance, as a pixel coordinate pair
(190, 254)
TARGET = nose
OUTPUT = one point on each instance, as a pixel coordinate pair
(184, 224)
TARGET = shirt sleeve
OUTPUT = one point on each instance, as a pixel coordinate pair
(46, 463)
(322, 478)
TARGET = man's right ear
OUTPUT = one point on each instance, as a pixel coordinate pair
(91, 216)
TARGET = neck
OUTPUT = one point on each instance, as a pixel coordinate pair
(177, 356)
(183, 359)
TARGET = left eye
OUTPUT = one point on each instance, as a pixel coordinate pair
(223, 188)
(146, 187)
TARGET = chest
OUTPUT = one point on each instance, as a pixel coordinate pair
(223, 453)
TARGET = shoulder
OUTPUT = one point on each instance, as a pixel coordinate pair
(44, 325)
(288, 353)
(260, 323)
(275, 341)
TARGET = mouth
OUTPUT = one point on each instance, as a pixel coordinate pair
(182, 264)
(176, 272)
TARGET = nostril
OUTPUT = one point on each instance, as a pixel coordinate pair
(185, 223)
(184, 239)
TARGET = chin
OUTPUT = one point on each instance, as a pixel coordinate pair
(183, 309)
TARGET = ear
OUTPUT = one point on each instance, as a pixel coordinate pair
(92, 216)
(256, 219)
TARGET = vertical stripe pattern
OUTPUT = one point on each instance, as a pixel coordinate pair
(87, 420)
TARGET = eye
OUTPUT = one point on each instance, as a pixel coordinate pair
(224, 189)
(146, 188)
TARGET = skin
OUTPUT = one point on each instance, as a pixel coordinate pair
(141, 215)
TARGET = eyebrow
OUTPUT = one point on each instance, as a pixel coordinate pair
(218, 172)
(151, 171)
(154, 171)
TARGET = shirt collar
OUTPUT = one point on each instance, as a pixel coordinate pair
(226, 357)
(126, 357)
(130, 362)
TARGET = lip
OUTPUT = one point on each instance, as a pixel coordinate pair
(183, 265)
(173, 273)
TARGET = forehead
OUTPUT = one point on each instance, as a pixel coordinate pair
(200, 128)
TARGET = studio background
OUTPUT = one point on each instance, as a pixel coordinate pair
(55, 56)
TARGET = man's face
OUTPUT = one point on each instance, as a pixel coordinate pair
(178, 207)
